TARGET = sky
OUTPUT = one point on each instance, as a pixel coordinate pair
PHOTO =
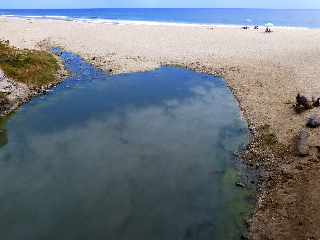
(283, 4)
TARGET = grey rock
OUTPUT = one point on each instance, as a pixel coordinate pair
(313, 121)
(302, 143)
(316, 102)
(302, 103)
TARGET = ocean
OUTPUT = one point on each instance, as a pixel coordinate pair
(218, 17)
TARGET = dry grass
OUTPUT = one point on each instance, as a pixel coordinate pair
(34, 68)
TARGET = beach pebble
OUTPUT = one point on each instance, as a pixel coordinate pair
(302, 143)
(1, 75)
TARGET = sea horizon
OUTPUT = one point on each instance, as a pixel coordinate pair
(232, 17)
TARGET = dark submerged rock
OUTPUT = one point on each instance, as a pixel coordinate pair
(244, 237)
(240, 184)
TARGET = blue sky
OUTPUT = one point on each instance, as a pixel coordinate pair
(309, 4)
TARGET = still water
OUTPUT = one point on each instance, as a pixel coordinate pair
(134, 156)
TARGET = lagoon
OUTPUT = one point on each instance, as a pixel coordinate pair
(134, 156)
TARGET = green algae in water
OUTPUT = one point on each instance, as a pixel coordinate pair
(135, 156)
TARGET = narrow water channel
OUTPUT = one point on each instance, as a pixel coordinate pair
(141, 156)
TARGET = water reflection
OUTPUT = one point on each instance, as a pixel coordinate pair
(3, 137)
(3, 133)
(124, 157)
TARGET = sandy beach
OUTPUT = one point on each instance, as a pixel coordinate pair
(264, 71)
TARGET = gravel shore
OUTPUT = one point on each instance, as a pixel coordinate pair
(264, 71)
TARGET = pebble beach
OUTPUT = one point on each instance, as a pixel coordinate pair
(265, 71)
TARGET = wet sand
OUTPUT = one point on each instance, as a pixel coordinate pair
(265, 72)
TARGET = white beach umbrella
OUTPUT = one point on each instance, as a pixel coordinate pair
(269, 25)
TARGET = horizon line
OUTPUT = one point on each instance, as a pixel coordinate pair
(93, 8)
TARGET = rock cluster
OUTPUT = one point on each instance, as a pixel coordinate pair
(302, 139)
(13, 94)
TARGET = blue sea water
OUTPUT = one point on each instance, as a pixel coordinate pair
(284, 18)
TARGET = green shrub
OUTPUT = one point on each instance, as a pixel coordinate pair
(32, 67)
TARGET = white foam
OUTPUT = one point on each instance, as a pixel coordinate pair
(56, 17)
(143, 22)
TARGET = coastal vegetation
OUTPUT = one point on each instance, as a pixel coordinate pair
(32, 67)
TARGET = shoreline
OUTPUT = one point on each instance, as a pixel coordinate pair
(148, 23)
(264, 72)
(18, 94)
(29, 94)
